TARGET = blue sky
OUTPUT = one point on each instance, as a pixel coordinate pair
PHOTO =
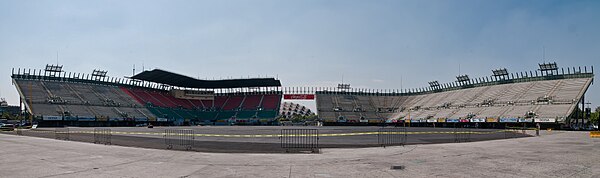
(373, 44)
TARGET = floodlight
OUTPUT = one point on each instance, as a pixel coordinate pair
(500, 72)
(462, 78)
(99, 73)
(434, 84)
(53, 68)
(548, 66)
(343, 86)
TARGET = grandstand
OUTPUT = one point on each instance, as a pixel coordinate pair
(547, 97)
(153, 97)
(289, 109)
(159, 97)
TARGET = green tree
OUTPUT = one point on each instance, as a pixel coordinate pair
(5, 115)
(595, 116)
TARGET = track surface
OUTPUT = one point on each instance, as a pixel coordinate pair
(265, 139)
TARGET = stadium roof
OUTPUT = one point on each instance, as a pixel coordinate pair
(173, 79)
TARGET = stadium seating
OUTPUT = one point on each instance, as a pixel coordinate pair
(233, 102)
(554, 98)
(55, 98)
(271, 101)
(78, 99)
(252, 102)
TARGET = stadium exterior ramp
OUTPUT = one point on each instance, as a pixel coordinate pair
(528, 98)
(57, 98)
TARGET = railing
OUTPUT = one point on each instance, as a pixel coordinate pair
(509, 133)
(38, 74)
(61, 134)
(102, 136)
(19, 131)
(393, 136)
(517, 77)
(462, 134)
(179, 138)
(478, 82)
(297, 140)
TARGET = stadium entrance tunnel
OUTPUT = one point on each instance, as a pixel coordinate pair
(268, 139)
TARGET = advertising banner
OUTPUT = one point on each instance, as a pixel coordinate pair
(87, 119)
(116, 119)
(431, 120)
(525, 120)
(52, 118)
(101, 118)
(299, 96)
(464, 120)
(441, 120)
(452, 120)
(70, 118)
(330, 120)
(162, 119)
(509, 120)
(478, 120)
(491, 120)
(375, 121)
(545, 120)
(141, 119)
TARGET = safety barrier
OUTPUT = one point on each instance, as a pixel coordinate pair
(61, 134)
(19, 131)
(102, 136)
(182, 138)
(462, 134)
(595, 134)
(510, 133)
(393, 136)
(297, 140)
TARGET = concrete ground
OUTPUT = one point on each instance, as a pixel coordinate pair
(555, 154)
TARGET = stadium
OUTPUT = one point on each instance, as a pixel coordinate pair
(165, 110)
(549, 96)
(236, 127)
(238, 88)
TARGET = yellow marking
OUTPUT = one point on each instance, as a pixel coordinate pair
(595, 134)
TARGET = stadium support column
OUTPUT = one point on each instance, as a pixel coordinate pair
(583, 109)
(20, 109)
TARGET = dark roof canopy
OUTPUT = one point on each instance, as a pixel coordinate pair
(173, 79)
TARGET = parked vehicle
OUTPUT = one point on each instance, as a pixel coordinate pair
(7, 127)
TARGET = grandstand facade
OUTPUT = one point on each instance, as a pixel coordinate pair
(155, 97)
(546, 97)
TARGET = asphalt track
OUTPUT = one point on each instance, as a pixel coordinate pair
(266, 139)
